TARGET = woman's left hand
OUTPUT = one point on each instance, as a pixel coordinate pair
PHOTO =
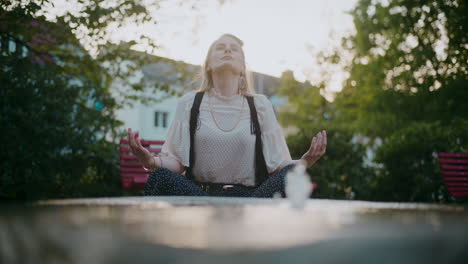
(317, 148)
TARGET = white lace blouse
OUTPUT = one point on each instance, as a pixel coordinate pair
(226, 157)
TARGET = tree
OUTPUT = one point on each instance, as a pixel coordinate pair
(411, 165)
(409, 65)
(53, 141)
(59, 131)
(407, 76)
(341, 172)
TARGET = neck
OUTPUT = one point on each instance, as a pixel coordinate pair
(226, 83)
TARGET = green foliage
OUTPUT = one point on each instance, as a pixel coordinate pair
(410, 157)
(407, 86)
(53, 141)
(340, 173)
(90, 25)
(407, 64)
(59, 133)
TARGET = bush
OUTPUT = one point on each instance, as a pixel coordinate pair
(412, 170)
(52, 136)
(340, 173)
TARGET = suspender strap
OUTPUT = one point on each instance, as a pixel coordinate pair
(194, 113)
(261, 173)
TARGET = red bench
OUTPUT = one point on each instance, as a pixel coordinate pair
(132, 174)
(454, 168)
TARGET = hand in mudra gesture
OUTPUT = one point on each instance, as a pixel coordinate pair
(143, 155)
(317, 148)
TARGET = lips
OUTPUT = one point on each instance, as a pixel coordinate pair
(226, 58)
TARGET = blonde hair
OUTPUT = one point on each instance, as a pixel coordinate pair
(206, 82)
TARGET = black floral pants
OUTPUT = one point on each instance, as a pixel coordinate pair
(165, 182)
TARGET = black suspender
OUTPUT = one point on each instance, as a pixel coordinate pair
(194, 113)
(261, 173)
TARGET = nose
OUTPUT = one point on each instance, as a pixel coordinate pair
(227, 49)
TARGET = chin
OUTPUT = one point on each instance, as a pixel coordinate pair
(228, 66)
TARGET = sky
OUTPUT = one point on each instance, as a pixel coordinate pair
(278, 35)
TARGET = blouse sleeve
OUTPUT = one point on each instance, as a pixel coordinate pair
(275, 149)
(177, 144)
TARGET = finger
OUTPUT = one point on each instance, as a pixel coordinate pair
(322, 141)
(137, 140)
(136, 143)
(132, 145)
(319, 141)
(130, 138)
(312, 145)
(140, 145)
(316, 146)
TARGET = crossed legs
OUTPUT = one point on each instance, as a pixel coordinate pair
(165, 182)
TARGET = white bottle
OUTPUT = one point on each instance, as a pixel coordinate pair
(298, 185)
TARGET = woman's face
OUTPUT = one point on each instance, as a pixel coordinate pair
(226, 54)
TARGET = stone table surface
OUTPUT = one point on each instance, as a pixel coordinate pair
(231, 230)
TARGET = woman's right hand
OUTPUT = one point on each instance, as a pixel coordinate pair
(143, 155)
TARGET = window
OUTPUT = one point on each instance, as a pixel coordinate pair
(8, 47)
(25, 51)
(156, 119)
(12, 46)
(4, 44)
(160, 119)
(165, 119)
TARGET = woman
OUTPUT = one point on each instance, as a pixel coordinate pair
(225, 139)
